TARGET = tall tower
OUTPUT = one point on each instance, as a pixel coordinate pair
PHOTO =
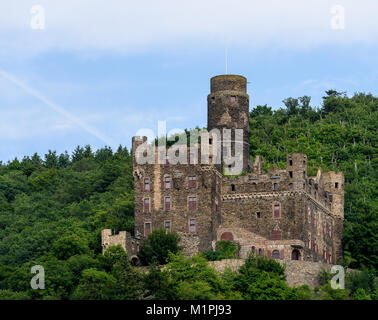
(228, 108)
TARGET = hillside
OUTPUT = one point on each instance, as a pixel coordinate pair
(53, 208)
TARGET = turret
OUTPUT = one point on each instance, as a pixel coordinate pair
(296, 166)
(228, 108)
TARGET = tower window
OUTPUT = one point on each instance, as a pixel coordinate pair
(192, 203)
(146, 184)
(336, 185)
(210, 140)
(291, 186)
(192, 225)
(276, 211)
(167, 226)
(167, 203)
(167, 183)
(192, 182)
(232, 187)
(146, 205)
(290, 162)
(147, 228)
(275, 185)
(258, 215)
(290, 174)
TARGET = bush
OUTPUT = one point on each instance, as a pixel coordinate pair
(224, 250)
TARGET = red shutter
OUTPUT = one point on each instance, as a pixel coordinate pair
(269, 254)
(162, 184)
(282, 254)
(151, 184)
(141, 186)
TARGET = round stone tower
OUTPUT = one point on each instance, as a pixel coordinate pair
(228, 108)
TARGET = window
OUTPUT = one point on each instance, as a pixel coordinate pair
(233, 98)
(275, 186)
(232, 187)
(192, 225)
(275, 254)
(330, 196)
(167, 225)
(336, 185)
(210, 159)
(146, 205)
(290, 174)
(304, 174)
(167, 183)
(192, 182)
(309, 215)
(291, 186)
(210, 140)
(324, 254)
(295, 254)
(290, 162)
(192, 203)
(258, 214)
(276, 211)
(146, 184)
(147, 228)
(260, 251)
(275, 235)
(309, 240)
(253, 249)
(167, 203)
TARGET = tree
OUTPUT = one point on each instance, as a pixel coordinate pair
(157, 247)
(95, 285)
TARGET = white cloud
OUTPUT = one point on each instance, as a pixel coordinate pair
(137, 25)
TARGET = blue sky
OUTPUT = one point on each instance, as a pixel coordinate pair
(101, 70)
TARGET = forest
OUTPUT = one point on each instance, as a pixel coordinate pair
(54, 206)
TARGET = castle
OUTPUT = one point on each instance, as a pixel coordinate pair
(282, 214)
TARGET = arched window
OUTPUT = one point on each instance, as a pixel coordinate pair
(295, 254)
(227, 236)
(275, 254)
(253, 249)
(260, 251)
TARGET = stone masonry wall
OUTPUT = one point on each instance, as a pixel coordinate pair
(297, 272)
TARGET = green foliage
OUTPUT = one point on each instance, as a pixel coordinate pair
(224, 250)
(157, 247)
(263, 279)
(340, 135)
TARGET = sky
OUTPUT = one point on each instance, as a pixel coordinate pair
(96, 72)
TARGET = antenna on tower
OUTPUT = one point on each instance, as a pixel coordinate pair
(226, 57)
